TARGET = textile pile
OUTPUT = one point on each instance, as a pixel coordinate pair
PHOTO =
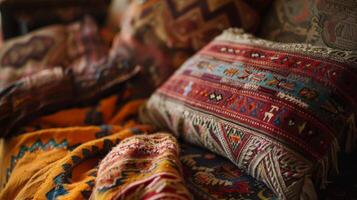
(198, 99)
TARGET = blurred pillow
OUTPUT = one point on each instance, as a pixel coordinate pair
(25, 55)
(75, 68)
(279, 111)
(329, 23)
(163, 34)
(53, 46)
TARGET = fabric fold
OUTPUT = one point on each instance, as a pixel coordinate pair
(142, 167)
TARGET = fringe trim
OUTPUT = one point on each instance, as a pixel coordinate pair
(328, 164)
(238, 35)
(308, 190)
(351, 139)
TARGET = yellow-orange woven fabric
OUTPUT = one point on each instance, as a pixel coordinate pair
(58, 155)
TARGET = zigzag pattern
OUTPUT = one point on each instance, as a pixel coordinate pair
(38, 145)
(26, 51)
(228, 9)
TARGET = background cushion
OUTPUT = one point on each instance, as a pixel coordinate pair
(163, 34)
(54, 46)
(329, 23)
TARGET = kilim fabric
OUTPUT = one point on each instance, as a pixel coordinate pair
(53, 46)
(58, 157)
(53, 68)
(40, 47)
(210, 176)
(142, 167)
(330, 23)
(281, 112)
(165, 33)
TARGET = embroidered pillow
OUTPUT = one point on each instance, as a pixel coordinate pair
(278, 111)
(330, 23)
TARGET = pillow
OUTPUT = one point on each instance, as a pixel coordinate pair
(32, 52)
(166, 33)
(329, 23)
(57, 67)
(278, 111)
(53, 46)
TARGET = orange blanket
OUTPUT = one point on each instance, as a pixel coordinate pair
(58, 157)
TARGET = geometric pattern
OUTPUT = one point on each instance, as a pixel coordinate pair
(279, 112)
(209, 176)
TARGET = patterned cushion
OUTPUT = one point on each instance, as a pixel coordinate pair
(142, 167)
(329, 23)
(166, 33)
(30, 53)
(278, 111)
(53, 46)
(209, 176)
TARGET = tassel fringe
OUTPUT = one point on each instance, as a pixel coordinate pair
(308, 190)
(328, 165)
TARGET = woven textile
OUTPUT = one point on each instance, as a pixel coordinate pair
(75, 69)
(54, 89)
(61, 154)
(166, 33)
(329, 23)
(58, 157)
(53, 46)
(142, 167)
(210, 176)
(280, 112)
